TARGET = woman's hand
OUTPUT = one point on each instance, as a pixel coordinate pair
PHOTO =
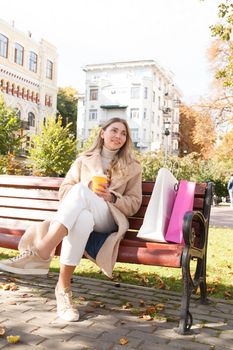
(104, 193)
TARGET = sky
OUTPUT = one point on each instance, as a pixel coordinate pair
(174, 33)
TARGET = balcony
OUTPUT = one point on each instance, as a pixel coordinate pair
(166, 110)
(175, 134)
(113, 106)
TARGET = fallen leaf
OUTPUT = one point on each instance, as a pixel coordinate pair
(160, 307)
(147, 317)
(151, 310)
(227, 294)
(127, 305)
(123, 341)
(14, 287)
(211, 290)
(161, 285)
(2, 331)
(12, 339)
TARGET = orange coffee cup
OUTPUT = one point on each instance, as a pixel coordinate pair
(97, 180)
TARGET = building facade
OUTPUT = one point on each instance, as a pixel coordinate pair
(28, 77)
(141, 92)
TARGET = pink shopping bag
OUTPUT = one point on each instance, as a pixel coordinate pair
(183, 203)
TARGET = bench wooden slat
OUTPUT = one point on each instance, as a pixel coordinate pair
(14, 224)
(28, 193)
(31, 182)
(28, 203)
(9, 241)
(147, 256)
(32, 215)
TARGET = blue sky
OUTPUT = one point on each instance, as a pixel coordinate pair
(173, 32)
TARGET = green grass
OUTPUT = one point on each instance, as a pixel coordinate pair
(219, 268)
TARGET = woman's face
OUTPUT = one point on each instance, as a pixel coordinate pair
(114, 136)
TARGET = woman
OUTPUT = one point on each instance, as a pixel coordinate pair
(82, 211)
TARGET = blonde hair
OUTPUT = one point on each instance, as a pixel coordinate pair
(125, 154)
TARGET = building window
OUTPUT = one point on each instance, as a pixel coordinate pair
(134, 113)
(145, 113)
(93, 114)
(18, 91)
(49, 69)
(152, 136)
(19, 53)
(33, 61)
(48, 100)
(31, 119)
(152, 117)
(23, 93)
(135, 92)
(145, 93)
(8, 87)
(28, 141)
(93, 94)
(2, 85)
(153, 96)
(144, 134)
(3, 46)
(159, 102)
(134, 133)
(159, 85)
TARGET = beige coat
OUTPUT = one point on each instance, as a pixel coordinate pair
(128, 190)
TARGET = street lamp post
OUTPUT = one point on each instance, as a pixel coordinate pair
(166, 133)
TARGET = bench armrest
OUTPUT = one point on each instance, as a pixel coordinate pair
(195, 232)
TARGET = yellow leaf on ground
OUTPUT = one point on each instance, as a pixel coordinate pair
(12, 339)
(123, 341)
(160, 306)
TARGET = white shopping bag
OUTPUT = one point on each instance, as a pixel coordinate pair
(159, 209)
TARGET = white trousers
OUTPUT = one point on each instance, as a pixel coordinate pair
(81, 212)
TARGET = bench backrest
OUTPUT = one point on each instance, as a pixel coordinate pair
(27, 199)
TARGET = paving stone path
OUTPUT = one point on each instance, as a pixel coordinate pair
(109, 315)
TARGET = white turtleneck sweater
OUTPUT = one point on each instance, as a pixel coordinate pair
(107, 156)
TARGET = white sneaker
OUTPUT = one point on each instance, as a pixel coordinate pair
(65, 306)
(27, 263)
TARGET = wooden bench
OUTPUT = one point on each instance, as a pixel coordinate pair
(26, 199)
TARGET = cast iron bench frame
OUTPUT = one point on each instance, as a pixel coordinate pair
(28, 199)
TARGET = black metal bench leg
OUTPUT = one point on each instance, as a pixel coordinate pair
(203, 286)
(186, 319)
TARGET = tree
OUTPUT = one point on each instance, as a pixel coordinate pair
(197, 132)
(224, 152)
(187, 125)
(204, 135)
(53, 150)
(222, 31)
(91, 138)
(9, 129)
(67, 106)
